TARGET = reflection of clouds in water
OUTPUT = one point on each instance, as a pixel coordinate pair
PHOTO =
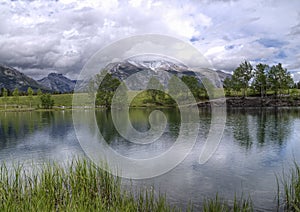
(49, 137)
(233, 168)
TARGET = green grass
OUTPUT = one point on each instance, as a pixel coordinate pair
(217, 204)
(291, 190)
(81, 186)
(293, 92)
(24, 101)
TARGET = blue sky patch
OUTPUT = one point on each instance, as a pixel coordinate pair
(271, 42)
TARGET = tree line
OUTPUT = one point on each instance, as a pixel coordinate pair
(45, 98)
(155, 94)
(260, 80)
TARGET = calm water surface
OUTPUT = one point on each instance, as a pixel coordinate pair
(256, 145)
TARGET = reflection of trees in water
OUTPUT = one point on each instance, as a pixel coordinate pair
(270, 126)
(241, 129)
(15, 126)
(139, 119)
(261, 127)
(278, 126)
(106, 126)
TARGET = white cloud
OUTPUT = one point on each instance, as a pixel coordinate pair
(62, 35)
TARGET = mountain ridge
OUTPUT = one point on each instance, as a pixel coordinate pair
(11, 78)
(58, 83)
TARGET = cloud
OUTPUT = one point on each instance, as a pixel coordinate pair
(42, 36)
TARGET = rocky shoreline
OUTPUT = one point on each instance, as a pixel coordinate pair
(234, 102)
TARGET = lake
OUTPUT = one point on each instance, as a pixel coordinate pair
(256, 145)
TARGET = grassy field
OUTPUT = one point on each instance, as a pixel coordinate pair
(24, 101)
(141, 100)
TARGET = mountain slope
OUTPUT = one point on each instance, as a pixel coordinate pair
(11, 78)
(58, 82)
(161, 69)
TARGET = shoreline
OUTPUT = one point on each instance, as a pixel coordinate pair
(231, 102)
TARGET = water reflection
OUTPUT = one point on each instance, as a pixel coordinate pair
(36, 136)
(257, 143)
(261, 126)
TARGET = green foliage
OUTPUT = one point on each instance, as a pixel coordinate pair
(219, 205)
(155, 91)
(46, 101)
(30, 94)
(265, 79)
(291, 189)
(259, 83)
(106, 89)
(227, 84)
(39, 92)
(241, 77)
(195, 87)
(16, 95)
(80, 186)
(279, 79)
(5, 96)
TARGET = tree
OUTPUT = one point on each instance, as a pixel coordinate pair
(46, 101)
(298, 85)
(260, 79)
(5, 96)
(241, 77)
(30, 95)
(39, 92)
(279, 79)
(227, 84)
(196, 88)
(176, 88)
(106, 90)
(155, 90)
(16, 96)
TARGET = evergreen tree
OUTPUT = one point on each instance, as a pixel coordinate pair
(259, 83)
(279, 79)
(241, 77)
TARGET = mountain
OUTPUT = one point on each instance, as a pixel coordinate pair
(58, 83)
(159, 68)
(11, 78)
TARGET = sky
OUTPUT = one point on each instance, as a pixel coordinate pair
(43, 36)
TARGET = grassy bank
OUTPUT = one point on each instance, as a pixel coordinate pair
(79, 187)
(82, 186)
